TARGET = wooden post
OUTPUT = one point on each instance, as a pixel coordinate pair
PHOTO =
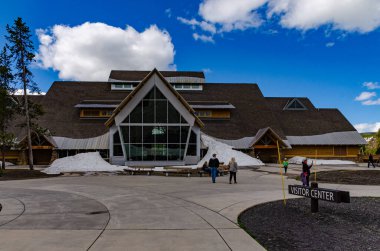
(282, 177)
(315, 165)
(314, 202)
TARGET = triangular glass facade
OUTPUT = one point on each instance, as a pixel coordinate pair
(155, 131)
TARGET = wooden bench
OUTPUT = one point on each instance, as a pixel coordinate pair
(140, 170)
(222, 170)
(177, 170)
(201, 173)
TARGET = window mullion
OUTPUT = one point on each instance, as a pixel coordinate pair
(187, 141)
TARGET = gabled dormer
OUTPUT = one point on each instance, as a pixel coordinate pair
(294, 104)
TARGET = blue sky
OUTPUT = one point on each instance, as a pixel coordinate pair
(327, 55)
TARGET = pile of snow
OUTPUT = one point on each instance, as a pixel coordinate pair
(225, 152)
(7, 163)
(83, 162)
(298, 160)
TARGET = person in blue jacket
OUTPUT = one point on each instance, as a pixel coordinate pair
(214, 165)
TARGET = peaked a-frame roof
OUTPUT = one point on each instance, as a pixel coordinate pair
(249, 142)
(117, 110)
(267, 130)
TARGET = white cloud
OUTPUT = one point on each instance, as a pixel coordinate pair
(191, 22)
(90, 50)
(371, 85)
(168, 12)
(21, 92)
(330, 44)
(371, 102)
(203, 38)
(208, 27)
(348, 15)
(365, 95)
(232, 15)
(367, 127)
(207, 70)
(205, 26)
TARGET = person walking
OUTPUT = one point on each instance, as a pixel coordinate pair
(306, 170)
(233, 167)
(370, 160)
(214, 165)
(285, 164)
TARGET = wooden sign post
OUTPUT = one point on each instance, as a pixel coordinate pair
(315, 194)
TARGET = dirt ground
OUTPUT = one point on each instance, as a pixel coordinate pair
(352, 226)
(22, 174)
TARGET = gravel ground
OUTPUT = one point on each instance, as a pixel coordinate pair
(353, 226)
(21, 174)
(353, 177)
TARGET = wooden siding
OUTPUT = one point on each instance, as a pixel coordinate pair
(12, 156)
(221, 114)
(269, 155)
(213, 114)
(322, 151)
(95, 113)
(353, 150)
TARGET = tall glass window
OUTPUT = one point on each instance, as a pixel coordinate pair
(117, 149)
(155, 130)
(192, 147)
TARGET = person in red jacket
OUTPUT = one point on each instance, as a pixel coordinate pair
(306, 170)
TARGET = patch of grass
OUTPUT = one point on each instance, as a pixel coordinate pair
(22, 174)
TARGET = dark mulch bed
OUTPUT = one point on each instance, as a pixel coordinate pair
(354, 177)
(353, 226)
(22, 174)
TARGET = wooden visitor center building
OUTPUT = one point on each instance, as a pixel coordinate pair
(157, 118)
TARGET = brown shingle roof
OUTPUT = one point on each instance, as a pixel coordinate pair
(140, 75)
(253, 111)
(308, 122)
(250, 115)
(63, 119)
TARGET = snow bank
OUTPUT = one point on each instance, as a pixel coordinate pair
(8, 163)
(83, 162)
(298, 160)
(93, 162)
(225, 152)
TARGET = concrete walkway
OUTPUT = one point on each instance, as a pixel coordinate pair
(137, 212)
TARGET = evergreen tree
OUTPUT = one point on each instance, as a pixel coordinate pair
(21, 47)
(7, 103)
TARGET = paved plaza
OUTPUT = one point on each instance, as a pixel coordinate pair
(137, 212)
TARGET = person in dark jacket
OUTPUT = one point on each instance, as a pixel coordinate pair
(214, 165)
(306, 170)
(370, 160)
